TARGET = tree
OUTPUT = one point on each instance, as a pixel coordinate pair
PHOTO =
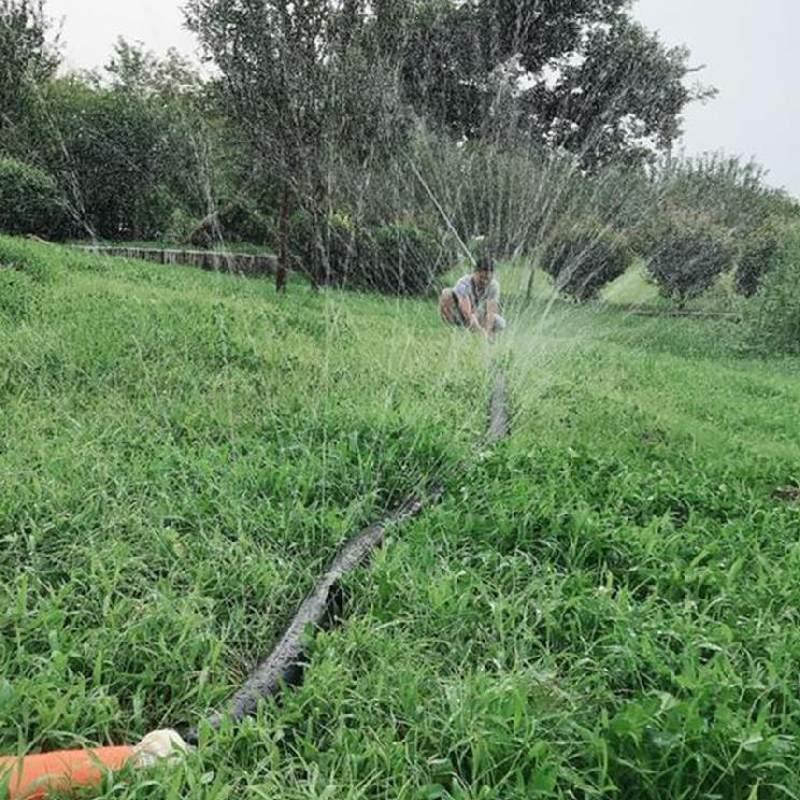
(26, 57)
(207, 172)
(112, 154)
(295, 77)
(576, 74)
(585, 258)
(541, 31)
(619, 98)
(270, 61)
(734, 192)
(734, 195)
(131, 147)
(761, 250)
(134, 69)
(686, 254)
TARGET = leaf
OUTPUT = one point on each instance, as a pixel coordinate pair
(544, 779)
(433, 791)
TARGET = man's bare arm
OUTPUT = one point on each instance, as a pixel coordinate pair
(492, 310)
(469, 315)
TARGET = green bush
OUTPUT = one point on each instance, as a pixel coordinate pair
(584, 259)
(773, 324)
(759, 252)
(29, 199)
(399, 258)
(325, 249)
(685, 254)
(180, 226)
(243, 221)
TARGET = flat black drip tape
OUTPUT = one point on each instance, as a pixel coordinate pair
(284, 666)
(498, 411)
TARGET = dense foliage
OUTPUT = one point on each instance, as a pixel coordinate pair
(27, 58)
(584, 259)
(774, 320)
(397, 259)
(330, 126)
(30, 201)
(686, 253)
(760, 250)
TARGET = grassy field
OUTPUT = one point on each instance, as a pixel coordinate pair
(606, 605)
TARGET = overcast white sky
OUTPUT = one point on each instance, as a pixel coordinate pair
(750, 47)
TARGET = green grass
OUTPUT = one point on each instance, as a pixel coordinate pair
(632, 289)
(603, 606)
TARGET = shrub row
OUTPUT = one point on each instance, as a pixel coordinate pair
(684, 253)
(583, 259)
(397, 258)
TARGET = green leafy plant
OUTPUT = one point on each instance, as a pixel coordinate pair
(685, 254)
(774, 318)
(760, 250)
(584, 259)
(29, 199)
(400, 258)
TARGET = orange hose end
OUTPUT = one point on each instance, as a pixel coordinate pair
(33, 777)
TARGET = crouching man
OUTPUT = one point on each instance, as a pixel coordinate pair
(474, 303)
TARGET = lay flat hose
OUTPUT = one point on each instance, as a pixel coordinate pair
(498, 411)
(284, 666)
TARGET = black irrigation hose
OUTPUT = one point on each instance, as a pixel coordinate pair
(284, 666)
(725, 316)
(498, 411)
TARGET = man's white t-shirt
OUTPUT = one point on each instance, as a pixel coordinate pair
(467, 287)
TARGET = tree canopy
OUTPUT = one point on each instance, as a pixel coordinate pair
(26, 57)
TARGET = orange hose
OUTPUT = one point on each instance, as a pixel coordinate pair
(33, 777)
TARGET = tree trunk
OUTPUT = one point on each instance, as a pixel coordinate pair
(282, 273)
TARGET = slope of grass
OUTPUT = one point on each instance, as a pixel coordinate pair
(180, 456)
(632, 288)
(606, 605)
